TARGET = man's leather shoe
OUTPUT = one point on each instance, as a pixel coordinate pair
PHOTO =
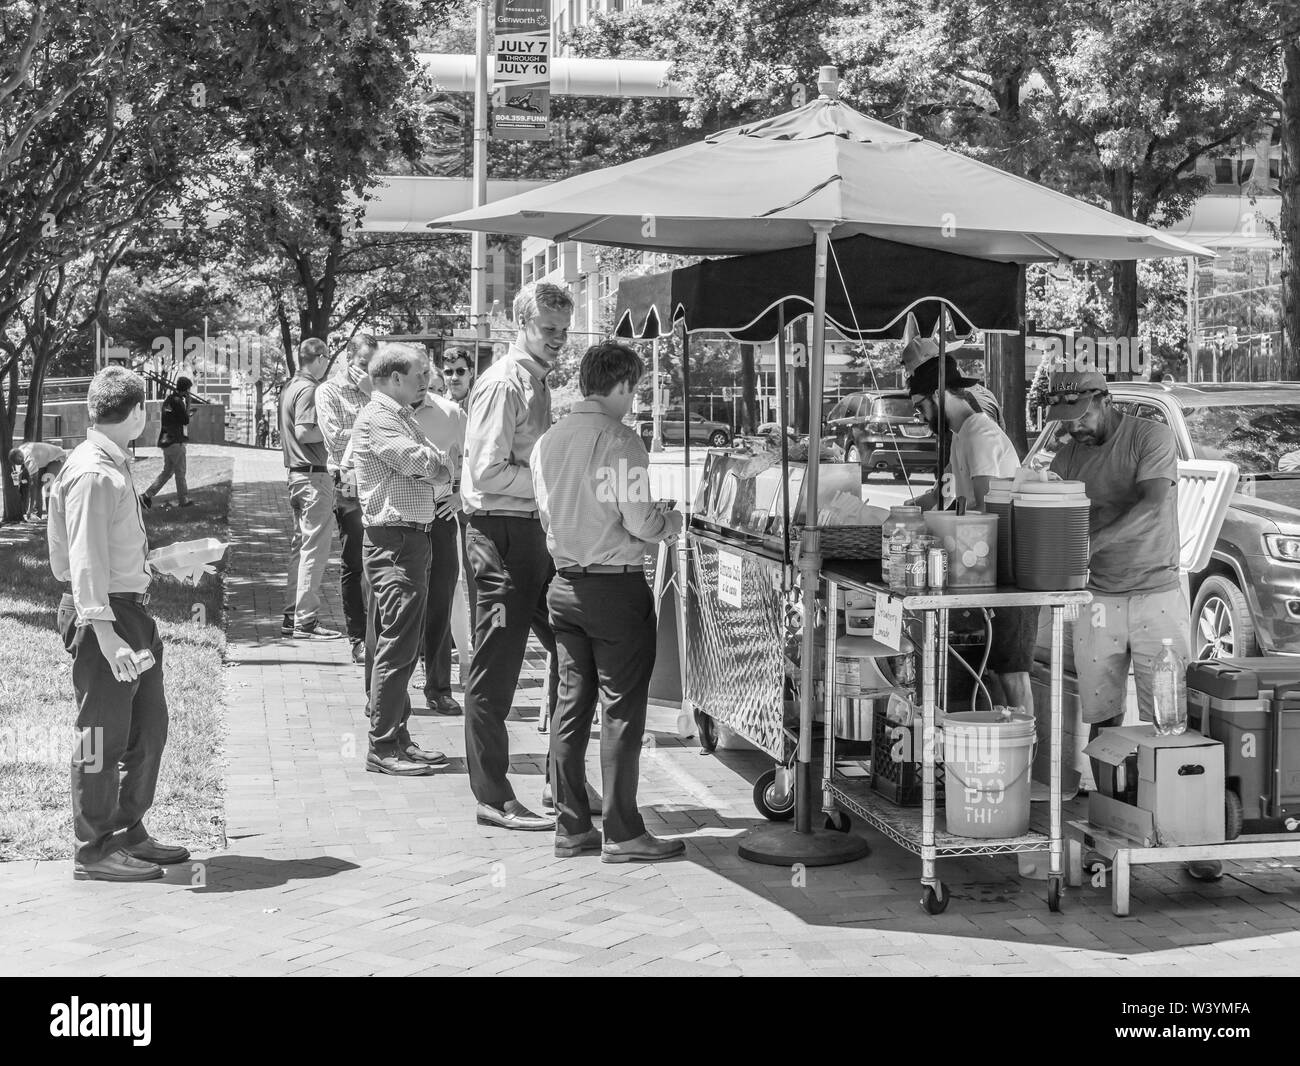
(548, 799)
(566, 847)
(150, 850)
(415, 753)
(514, 815)
(543, 722)
(444, 705)
(119, 866)
(645, 848)
(359, 652)
(396, 765)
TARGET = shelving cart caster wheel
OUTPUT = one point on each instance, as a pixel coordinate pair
(707, 733)
(1232, 815)
(935, 900)
(1054, 895)
(838, 821)
(770, 803)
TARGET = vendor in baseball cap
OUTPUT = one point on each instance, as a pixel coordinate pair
(1070, 395)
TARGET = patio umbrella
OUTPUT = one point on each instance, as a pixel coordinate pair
(820, 171)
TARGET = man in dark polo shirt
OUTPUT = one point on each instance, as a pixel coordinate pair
(311, 495)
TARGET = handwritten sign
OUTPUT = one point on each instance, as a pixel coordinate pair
(889, 620)
(731, 575)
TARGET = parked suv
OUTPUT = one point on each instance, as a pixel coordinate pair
(883, 432)
(714, 434)
(1247, 601)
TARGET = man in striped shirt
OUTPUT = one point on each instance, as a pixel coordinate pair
(338, 401)
(398, 472)
(592, 480)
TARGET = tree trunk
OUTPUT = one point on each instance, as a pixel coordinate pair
(8, 405)
(1290, 218)
(748, 391)
(286, 337)
(32, 423)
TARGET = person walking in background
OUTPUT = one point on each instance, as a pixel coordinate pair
(35, 464)
(458, 370)
(443, 423)
(263, 429)
(600, 604)
(398, 475)
(311, 495)
(171, 439)
(338, 401)
(509, 410)
(98, 546)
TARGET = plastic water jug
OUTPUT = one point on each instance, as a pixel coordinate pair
(1169, 691)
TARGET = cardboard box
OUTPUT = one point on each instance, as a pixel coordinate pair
(1180, 786)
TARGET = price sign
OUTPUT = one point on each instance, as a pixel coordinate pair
(731, 573)
(889, 620)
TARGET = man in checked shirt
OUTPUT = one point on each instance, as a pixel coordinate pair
(397, 472)
(338, 401)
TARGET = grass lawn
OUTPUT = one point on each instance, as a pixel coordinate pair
(36, 704)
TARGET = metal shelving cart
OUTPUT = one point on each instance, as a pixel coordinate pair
(913, 828)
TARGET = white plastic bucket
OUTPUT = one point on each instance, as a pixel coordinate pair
(987, 758)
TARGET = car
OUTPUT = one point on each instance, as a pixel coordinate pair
(882, 431)
(1247, 601)
(703, 431)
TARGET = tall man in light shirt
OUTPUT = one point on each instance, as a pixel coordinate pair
(98, 546)
(443, 423)
(510, 409)
(592, 477)
(338, 401)
(398, 472)
(311, 495)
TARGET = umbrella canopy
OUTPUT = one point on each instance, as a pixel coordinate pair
(871, 287)
(758, 187)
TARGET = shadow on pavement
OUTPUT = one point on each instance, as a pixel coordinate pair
(244, 873)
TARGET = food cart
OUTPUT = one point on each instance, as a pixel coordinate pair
(829, 173)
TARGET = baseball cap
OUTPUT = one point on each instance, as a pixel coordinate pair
(1068, 395)
(917, 351)
(925, 381)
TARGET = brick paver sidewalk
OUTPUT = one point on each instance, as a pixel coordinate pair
(330, 870)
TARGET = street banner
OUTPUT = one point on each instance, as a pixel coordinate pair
(521, 84)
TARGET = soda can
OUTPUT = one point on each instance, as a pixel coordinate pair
(143, 659)
(937, 566)
(915, 569)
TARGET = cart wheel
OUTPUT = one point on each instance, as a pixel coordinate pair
(935, 900)
(1205, 870)
(773, 807)
(1054, 895)
(1232, 815)
(707, 734)
(838, 821)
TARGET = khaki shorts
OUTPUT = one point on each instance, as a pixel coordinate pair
(1114, 632)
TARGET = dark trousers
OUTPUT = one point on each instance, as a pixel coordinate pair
(444, 570)
(512, 570)
(347, 513)
(397, 574)
(605, 635)
(121, 732)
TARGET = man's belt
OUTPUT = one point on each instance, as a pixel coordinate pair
(308, 470)
(142, 598)
(419, 527)
(506, 514)
(578, 571)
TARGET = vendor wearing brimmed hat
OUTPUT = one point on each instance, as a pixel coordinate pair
(980, 452)
(1130, 469)
(922, 350)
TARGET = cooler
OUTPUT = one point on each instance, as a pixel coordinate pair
(1260, 735)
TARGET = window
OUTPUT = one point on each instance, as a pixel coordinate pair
(1275, 169)
(1247, 168)
(552, 258)
(1223, 172)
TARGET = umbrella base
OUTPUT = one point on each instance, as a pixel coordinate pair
(780, 845)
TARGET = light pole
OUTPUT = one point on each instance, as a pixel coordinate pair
(478, 245)
(656, 408)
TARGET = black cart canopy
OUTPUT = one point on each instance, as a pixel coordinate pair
(871, 284)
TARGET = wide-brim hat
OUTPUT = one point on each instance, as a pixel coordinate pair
(925, 382)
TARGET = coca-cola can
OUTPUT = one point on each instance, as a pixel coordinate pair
(143, 659)
(937, 566)
(915, 569)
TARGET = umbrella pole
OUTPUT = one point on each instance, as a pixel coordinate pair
(784, 845)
